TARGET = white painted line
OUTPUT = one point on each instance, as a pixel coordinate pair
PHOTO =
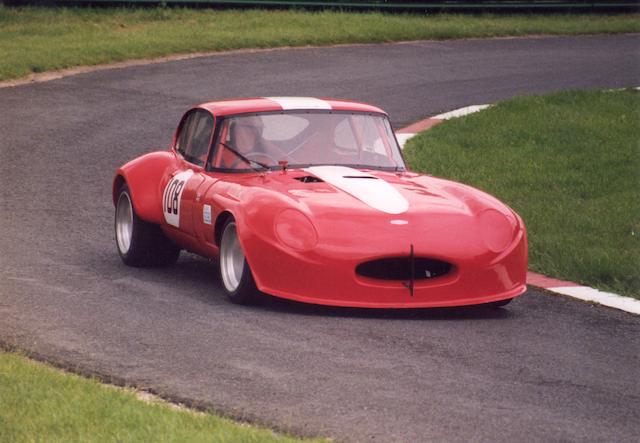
(461, 112)
(637, 88)
(402, 139)
(604, 298)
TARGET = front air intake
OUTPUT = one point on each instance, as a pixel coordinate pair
(309, 179)
(401, 268)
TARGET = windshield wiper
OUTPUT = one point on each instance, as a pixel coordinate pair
(247, 160)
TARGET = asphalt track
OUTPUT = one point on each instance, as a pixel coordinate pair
(544, 368)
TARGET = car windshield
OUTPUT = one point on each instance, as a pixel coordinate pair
(306, 138)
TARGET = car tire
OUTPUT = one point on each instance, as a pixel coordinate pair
(140, 243)
(235, 274)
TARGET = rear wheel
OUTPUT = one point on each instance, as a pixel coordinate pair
(235, 274)
(140, 243)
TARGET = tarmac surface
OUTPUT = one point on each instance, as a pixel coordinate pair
(543, 368)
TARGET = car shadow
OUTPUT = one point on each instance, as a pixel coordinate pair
(202, 278)
(478, 312)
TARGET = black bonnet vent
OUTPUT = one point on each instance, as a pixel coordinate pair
(309, 179)
(370, 177)
(399, 268)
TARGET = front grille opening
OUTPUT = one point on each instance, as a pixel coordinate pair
(308, 179)
(399, 268)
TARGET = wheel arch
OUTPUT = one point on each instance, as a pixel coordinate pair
(145, 177)
(254, 228)
(118, 182)
(220, 221)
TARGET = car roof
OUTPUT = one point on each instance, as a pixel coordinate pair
(267, 104)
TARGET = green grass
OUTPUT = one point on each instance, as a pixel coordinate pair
(43, 39)
(569, 164)
(40, 403)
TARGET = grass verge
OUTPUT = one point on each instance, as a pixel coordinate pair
(34, 40)
(569, 164)
(40, 403)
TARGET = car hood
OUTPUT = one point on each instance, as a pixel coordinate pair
(376, 193)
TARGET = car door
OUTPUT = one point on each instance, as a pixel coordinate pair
(181, 192)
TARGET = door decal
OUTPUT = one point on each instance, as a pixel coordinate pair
(172, 197)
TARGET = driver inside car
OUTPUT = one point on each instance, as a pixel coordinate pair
(245, 138)
(245, 135)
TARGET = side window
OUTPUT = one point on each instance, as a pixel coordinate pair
(183, 136)
(195, 137)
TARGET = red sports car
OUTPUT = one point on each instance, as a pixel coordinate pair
(309, 199)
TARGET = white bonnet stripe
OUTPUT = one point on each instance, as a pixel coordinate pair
(375, 192)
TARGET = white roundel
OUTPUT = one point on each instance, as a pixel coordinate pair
(172, 197)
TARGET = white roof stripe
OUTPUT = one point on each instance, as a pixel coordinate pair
(300, 103)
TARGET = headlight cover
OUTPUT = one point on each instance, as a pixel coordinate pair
(496, 229)
(295, 230)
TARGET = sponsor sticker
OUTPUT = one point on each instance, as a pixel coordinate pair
(206, 214)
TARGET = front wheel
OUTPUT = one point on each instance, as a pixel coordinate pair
(139, 243)
(235, 274)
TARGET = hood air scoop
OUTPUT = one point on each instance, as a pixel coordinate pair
(308, 179)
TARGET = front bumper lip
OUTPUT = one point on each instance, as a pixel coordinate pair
(410, 304)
